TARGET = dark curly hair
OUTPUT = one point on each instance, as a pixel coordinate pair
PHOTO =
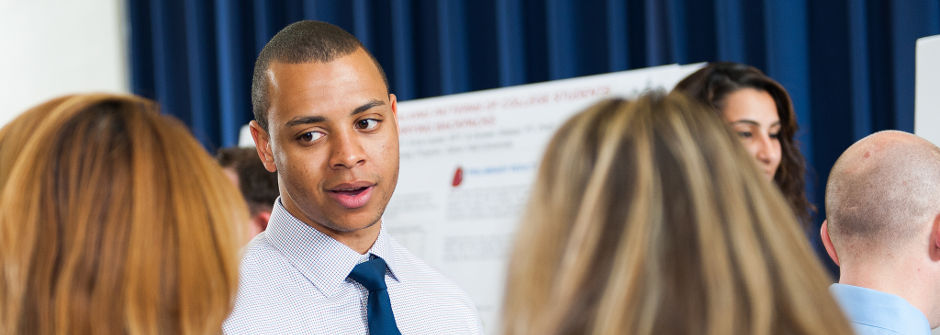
(713, 83)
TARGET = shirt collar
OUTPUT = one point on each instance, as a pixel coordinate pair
(383, 249)
(879, 309)
(324, 261)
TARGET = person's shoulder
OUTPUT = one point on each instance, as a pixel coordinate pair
(448, 296)
(417, 269)
(258, 250)
(867, 329)
(427, 277)
(262, 264)
(265, 278)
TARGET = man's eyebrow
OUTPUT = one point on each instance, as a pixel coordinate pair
(367, 106)
(305, 120)
(317, 119)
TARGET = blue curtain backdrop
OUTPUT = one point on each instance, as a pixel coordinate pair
(849, 65)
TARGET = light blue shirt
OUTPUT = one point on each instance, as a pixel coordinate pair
(294, 281)
(873, 312)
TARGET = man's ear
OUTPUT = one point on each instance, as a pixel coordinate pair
(827, 242)
(263, 145)
(935, 238)
(393, 100)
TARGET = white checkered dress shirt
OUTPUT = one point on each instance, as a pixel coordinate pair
(294, 281)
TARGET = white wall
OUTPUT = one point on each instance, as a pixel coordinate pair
(54, 47)
(927, 90)
(927, 93)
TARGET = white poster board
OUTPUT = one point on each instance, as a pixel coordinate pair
(466, 164)
(927, 89)
(927, 93)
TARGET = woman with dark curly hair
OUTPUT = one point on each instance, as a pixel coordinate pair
(759, 110)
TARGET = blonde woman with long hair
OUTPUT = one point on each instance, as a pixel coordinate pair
(643, 221)
(114, 221)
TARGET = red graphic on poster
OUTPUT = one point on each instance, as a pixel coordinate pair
(458, 177)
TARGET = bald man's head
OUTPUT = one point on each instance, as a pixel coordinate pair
(882, 193)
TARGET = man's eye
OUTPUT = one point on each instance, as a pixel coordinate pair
(744, 134)
(310, 136)
(367, 124)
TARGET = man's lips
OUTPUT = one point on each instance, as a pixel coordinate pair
(352, 195)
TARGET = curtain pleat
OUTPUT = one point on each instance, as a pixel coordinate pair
(403, 50)
(510, 42)
(618, 38)
(860, 81)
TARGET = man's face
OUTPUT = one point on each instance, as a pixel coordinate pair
(333, 139)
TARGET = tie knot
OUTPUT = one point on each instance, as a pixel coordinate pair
(370, 274)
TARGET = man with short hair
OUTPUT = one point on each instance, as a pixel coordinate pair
(258, 186)
(325, 121)
(883, 230)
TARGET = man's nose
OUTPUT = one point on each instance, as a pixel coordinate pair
(347, 150)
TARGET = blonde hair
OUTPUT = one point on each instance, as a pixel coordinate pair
(643, 221)
(15, 135)
(115, 221)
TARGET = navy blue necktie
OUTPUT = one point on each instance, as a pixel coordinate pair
(371, 274)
